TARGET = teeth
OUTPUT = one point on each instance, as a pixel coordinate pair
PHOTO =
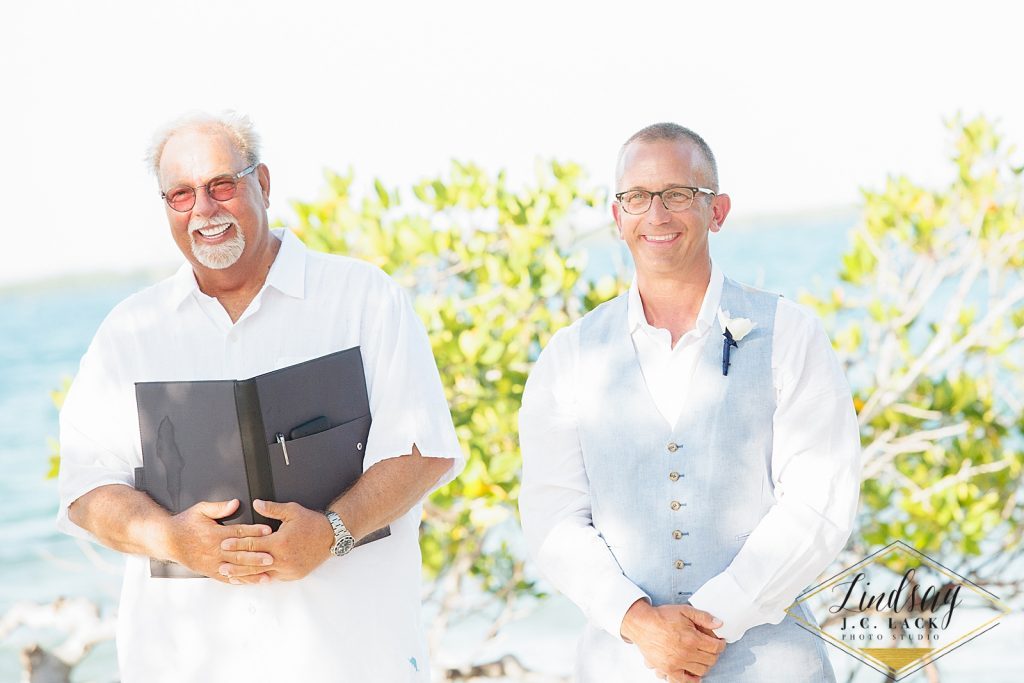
(661, 238)
(213, 231)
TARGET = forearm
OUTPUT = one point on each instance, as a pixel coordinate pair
(388, 490)
(786, 552)
(124, 519)
(303, 541)
(815, 465)
(554, 500)
(816, 450)
(577, 561)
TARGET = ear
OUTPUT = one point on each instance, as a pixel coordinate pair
(720, 205)
(264, 178)
(617, 215)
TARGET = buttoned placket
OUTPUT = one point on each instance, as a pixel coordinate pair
(665, 360)
(232, 348)
(232, 352)
(661, 340)
(675, 453)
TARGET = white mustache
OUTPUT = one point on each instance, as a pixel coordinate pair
(198, 223)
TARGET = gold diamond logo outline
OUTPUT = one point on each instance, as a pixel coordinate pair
(933, 654)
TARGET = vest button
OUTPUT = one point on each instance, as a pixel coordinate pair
(676, 505)
(679, 564)
(673, 447)
(674, 476)
(677, 534)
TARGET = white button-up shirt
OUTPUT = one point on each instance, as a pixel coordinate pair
(815, 467)
(354, 618)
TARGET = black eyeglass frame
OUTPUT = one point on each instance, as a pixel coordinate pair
(234, 178)
(660, 195)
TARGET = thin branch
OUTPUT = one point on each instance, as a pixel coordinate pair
(915, 411)
(896, 386)
(964, 474)
(982, 328)
(880, 453)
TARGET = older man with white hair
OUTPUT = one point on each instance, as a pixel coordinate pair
(281, 606)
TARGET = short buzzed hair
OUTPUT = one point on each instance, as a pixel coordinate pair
(675, 133)
(237, 126)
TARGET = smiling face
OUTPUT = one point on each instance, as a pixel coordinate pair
(665, 243)
(215, 236)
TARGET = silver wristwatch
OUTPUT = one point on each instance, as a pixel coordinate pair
(343, 541)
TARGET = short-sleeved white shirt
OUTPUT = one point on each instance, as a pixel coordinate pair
(354, 618)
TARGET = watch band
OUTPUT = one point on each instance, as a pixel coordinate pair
(343, 540)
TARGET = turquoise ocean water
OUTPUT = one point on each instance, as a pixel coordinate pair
(45, 329)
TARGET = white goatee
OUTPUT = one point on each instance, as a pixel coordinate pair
(216, 256)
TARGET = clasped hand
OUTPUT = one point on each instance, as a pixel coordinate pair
(675, 640)
(252, 553)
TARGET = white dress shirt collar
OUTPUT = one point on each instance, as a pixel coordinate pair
(705, 318)
(287, 274)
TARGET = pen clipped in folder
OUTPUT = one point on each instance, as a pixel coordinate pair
(314, 426)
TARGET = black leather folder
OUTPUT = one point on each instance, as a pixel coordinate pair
(297, 434)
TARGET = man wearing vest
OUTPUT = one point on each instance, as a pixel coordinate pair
(690, 450)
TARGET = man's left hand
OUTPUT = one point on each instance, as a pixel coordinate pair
(302, 542)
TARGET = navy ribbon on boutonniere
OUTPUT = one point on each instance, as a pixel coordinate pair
(735, 330)
(727, 344)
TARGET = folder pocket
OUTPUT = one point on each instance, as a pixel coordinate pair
(319, 466)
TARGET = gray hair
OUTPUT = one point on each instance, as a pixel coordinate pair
(237, 126)
(675, 133)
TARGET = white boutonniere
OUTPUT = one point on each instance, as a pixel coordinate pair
(735, 330)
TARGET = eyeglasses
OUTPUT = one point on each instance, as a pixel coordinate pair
(673, 199)
(221, 188)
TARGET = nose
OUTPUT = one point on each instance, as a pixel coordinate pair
(657, 213)
(205, 204)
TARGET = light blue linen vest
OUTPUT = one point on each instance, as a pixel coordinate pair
(676, 503)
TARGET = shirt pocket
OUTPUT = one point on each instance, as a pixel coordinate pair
(288, 361)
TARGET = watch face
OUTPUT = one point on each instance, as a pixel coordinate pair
(343, 541)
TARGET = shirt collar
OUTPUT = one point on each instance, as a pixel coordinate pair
(708, 307)
(287, 274)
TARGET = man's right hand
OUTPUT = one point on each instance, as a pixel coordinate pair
(675, 640)
(195, 538)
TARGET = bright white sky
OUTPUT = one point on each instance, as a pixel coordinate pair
(803, 102)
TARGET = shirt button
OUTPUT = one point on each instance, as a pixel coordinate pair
(677, 534)
(676, 505)
(679, 564)
(674, 476)
(673, 447)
